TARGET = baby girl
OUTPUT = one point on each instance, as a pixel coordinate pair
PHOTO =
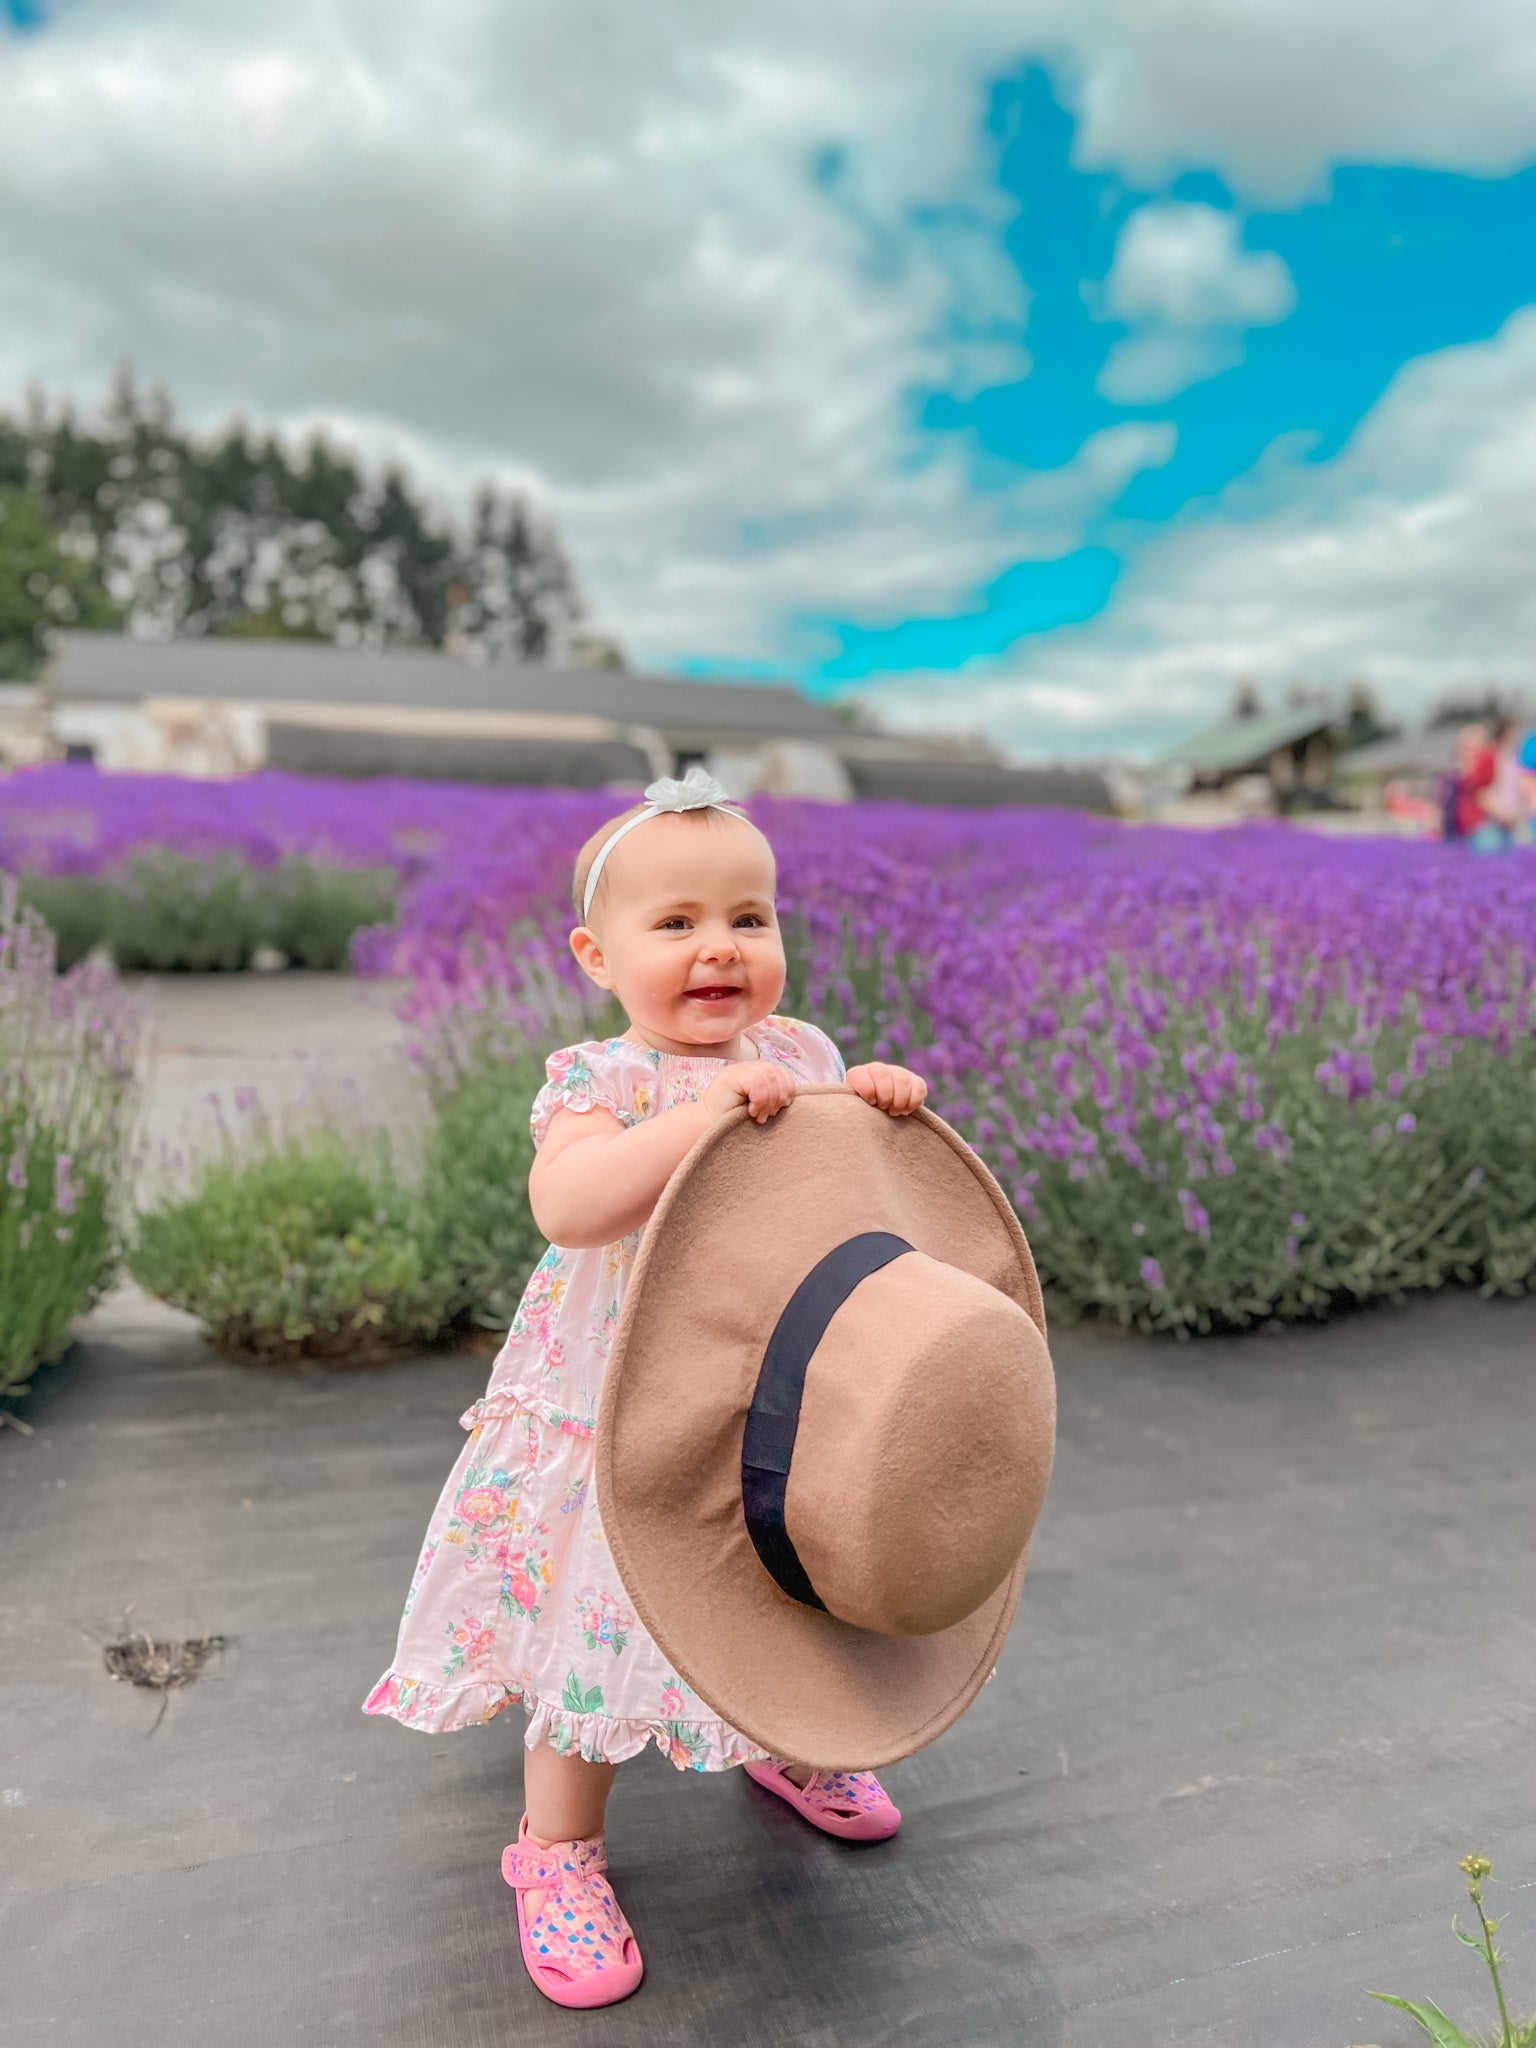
(516, 1595)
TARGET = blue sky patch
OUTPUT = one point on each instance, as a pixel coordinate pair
(1032, 597)
(1317, 308)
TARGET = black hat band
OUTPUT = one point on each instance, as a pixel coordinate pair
(773, 1420)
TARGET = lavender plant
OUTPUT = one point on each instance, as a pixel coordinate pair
(479, 1230)
(162, 911)
(307, 1246)
(67, 1061)
(1223, 1076)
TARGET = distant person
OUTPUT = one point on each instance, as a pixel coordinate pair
(1527, 757)
(1415, 811)
(1497, 812)
(1462, 809)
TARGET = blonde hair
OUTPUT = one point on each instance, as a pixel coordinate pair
(594, 847)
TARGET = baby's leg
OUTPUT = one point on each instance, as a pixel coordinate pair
(566, 1796)
(584, 1953)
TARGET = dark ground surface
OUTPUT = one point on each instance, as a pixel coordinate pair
(1274, 1673)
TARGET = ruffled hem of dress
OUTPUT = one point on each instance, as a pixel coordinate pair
(709, 1745)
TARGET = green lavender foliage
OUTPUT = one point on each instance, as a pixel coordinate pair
(164, 912)
(310, 1247)
(481, 1234)
(1404, 1165)
(54, 1261)
(67, 1098)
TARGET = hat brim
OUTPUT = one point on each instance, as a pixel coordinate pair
(747, 1214)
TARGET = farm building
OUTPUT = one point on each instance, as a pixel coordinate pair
(222, 707)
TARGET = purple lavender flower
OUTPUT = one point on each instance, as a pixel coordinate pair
(1195, 1218)
(1152, 1275)
(63, 1187)
(1124, 978)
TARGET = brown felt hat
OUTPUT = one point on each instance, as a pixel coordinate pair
(827, 1427)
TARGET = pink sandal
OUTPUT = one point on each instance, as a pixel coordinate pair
(578, 1947)
(853, 1805)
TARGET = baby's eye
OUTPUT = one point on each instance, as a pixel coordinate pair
(668, 922)
(750, 917)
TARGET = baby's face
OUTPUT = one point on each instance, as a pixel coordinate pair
(686, 935)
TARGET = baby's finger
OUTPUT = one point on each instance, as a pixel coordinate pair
(770, 1102)
(909, 1095)
(768, 1092)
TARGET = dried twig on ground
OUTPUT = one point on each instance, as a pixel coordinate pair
(159, 1667)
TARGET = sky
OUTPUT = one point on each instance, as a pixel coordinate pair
(1040, 367)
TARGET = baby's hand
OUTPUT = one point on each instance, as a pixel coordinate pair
(894, 1089)
(763, 1085)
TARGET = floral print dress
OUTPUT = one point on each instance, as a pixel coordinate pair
(516, 1596)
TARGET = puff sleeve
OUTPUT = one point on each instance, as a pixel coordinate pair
(581, 1077)
(814, 1049)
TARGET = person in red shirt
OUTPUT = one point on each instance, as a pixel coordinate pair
(1472, 774)
(1489, 800)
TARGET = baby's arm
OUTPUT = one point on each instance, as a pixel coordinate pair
(594, 1181)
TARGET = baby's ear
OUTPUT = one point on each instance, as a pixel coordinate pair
(588, 951)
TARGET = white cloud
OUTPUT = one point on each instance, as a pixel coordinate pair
(1183, 263)
(1146, 368)
(581, 246)
(1272, 95)
(1405, 563)
(1188, 287)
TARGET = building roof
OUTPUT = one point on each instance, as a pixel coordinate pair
(1408, 753)
(1247, 742)
(940, 780)
(525, 760)
(114, 666)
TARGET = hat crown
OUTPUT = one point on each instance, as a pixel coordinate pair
(919, 1462)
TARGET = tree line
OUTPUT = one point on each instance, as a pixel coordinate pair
(130, 519)
(1361, 719)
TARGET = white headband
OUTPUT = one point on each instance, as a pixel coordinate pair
(697, 791)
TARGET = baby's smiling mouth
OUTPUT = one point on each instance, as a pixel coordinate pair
(713, 992)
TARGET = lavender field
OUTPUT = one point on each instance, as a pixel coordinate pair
(1224, 1077)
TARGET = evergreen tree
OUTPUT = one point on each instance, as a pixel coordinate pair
(1476, 705)
(234, 533)
(1363, 721)
(43, 585)
(518, 601)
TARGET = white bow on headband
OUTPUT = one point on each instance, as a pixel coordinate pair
(696, 791)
